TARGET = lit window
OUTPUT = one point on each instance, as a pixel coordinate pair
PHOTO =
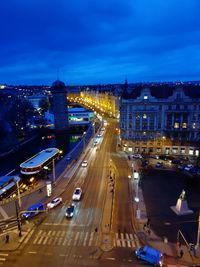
(146, 97)
(197, 153)
(191, 152)
(144, 133)
(144, 116)
(174, 150)
(194, 125)
(184, 125)
(176, 125)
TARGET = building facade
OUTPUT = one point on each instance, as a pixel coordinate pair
(160, 123)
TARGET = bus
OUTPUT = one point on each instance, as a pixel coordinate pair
(39, 162)
(8, 184)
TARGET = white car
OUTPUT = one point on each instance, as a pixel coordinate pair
(137, 156)
(77, 194)
(55, 202)
(84, 163)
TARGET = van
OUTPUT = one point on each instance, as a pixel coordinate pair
(33, 210)
(150, 255)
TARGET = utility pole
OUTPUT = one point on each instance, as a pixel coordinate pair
(19, 196)
(18, 218)
(198, 232)
(54, 173)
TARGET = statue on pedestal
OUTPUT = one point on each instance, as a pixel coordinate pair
(181, 207)
(182, 195)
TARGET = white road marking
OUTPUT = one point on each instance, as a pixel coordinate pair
(2, 259)
(112, 259)
(36, 239)
(91, 238)
(4, 254)
(76, 238)
(28, 236)
(85, 239)
(32, 252)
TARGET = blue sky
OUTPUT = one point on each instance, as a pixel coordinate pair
(99, 41)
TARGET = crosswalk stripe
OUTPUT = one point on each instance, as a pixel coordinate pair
(76, 238)
(80, 238)
(49, 232)
(85, 239)
(40, 240)
(55, 240)
(118, 243)
(49, 241)
(59, 241)
(45, 240)
(91, 238)
(69, 242)
(53, 233)
(137, 241)
(36, 239)
(2, 259)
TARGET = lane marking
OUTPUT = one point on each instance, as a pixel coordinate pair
(32, 252)
(4, 254)
(112, 259)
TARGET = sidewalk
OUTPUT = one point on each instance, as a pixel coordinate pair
(169, 249)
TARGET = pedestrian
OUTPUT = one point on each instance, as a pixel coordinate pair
(148, 222)
(144, 227)
(96, 229)
(7, 238)
(181, 253)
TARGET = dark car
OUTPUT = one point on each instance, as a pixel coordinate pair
(70, 211)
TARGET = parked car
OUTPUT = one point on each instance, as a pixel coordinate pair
(137, 156)
(55, 202)
(188, 167)
(159, 165)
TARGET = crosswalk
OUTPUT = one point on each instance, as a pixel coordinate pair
(3, 257)
(82, 238)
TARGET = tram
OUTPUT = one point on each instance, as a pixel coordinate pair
(39, 162)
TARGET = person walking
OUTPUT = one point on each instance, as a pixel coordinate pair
(7, 238)
(181, 253)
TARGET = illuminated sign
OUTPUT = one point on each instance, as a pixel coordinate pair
(49, 188)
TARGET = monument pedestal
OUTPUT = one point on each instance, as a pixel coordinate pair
(181, 207)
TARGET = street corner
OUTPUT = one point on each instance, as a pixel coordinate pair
(107, 241)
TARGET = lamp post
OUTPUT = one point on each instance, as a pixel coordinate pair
(54, 172)
(198, 232)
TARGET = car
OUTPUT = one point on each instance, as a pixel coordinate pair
(137, 156)
(55, 202)
(188, 167)
(159, 164)
(84, 163)
(77, 194)
(70, 211)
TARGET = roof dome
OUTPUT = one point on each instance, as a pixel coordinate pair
(58, 84)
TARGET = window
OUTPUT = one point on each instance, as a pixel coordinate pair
(184, 125)
(146, 97)
(176, 125)
(194, 125)
(144, 116)
(191, 151)
(174, 150)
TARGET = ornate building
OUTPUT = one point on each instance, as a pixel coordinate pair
(159, 121)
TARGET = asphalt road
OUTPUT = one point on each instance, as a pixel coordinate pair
(58, 241)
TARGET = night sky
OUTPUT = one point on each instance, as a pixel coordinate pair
(99, 41)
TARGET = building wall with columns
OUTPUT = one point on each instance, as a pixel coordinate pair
(168, 125)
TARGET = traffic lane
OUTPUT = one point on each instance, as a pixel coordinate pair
(161, 190)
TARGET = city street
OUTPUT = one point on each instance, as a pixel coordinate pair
(100, 232)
